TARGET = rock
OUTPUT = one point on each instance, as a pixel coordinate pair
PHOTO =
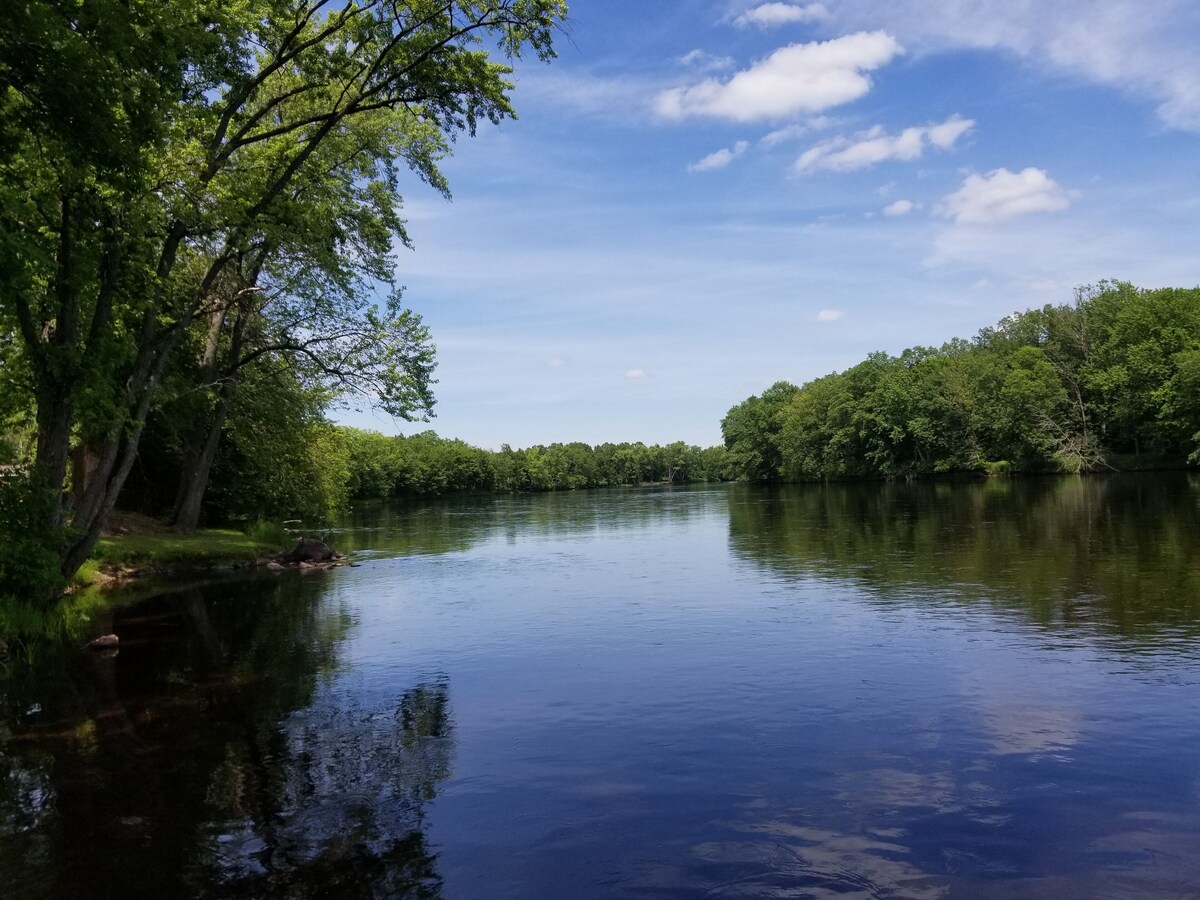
(276, 567)
(308, 550)
(104, 642)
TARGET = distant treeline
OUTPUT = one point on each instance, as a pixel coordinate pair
(1110, 381)
(279, 461)
(425, 465)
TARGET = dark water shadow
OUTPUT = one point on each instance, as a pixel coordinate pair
(208, 757)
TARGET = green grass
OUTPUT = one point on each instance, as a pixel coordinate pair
(88, 573)
(272, 533)
(202, 549)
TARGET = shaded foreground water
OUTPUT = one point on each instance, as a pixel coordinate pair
(926, 691)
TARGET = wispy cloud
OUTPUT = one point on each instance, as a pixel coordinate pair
(868, 148)
(1001, 195)
(582, 93)
(794, 80)
(635, 374)
(699, 59)
(1143, 49)
(899, 208)
(829, 315)
(719, 159)
(772, 15)
(794, 132)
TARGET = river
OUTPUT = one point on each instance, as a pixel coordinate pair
(889, 690)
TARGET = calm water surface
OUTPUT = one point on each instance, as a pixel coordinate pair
(928, 691)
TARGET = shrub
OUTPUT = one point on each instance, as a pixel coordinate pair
(263, 531)
(31, 546)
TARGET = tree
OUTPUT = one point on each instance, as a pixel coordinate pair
(224, 118)
(751, 431)
(1144, 339)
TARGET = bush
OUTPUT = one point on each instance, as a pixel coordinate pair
(31, 546)
(266, 532)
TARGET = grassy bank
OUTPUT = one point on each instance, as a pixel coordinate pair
(138, 547)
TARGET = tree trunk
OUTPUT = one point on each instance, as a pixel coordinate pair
(199, 458)
(55, 416)
(194, 481)
(120, 448)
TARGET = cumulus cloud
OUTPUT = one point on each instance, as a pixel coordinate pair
(635, 374)
(794, 80)
(1143, 49)
(772, 15)
(1000, 195)
(899, 208)
(829, 315)
(868, 148)
(720, 159)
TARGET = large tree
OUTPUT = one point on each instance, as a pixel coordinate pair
(149, 148)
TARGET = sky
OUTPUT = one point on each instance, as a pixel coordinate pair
(703, 197)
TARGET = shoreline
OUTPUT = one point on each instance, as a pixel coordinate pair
(137, 551)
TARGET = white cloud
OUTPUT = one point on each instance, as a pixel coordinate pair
(796, 79)
(829, 315)
(867, 148)
(772, 15)
(556, 362)
(899, 208)
(698, 59)
(794, 132)
(635, 374)
(1002, 195)
(943, 136)
(719, 159)
(1144, 49)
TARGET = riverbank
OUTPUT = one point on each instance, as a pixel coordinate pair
(135, 545)
(132, 555)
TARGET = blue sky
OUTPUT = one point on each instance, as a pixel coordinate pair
(703, 197)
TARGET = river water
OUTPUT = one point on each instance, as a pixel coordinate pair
(919, 691)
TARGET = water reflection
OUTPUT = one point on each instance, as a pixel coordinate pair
(343, 812)
(1108, 554)
(982, 690)
(211, 756)
(457, 524)
(787, 860)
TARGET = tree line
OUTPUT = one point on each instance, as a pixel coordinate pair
(283, 463)
(425, 465)
(1109, 381)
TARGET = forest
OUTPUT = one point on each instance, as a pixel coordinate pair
(1108, 382)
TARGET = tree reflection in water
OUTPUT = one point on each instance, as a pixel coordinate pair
(215, 756)
(1107, 555)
